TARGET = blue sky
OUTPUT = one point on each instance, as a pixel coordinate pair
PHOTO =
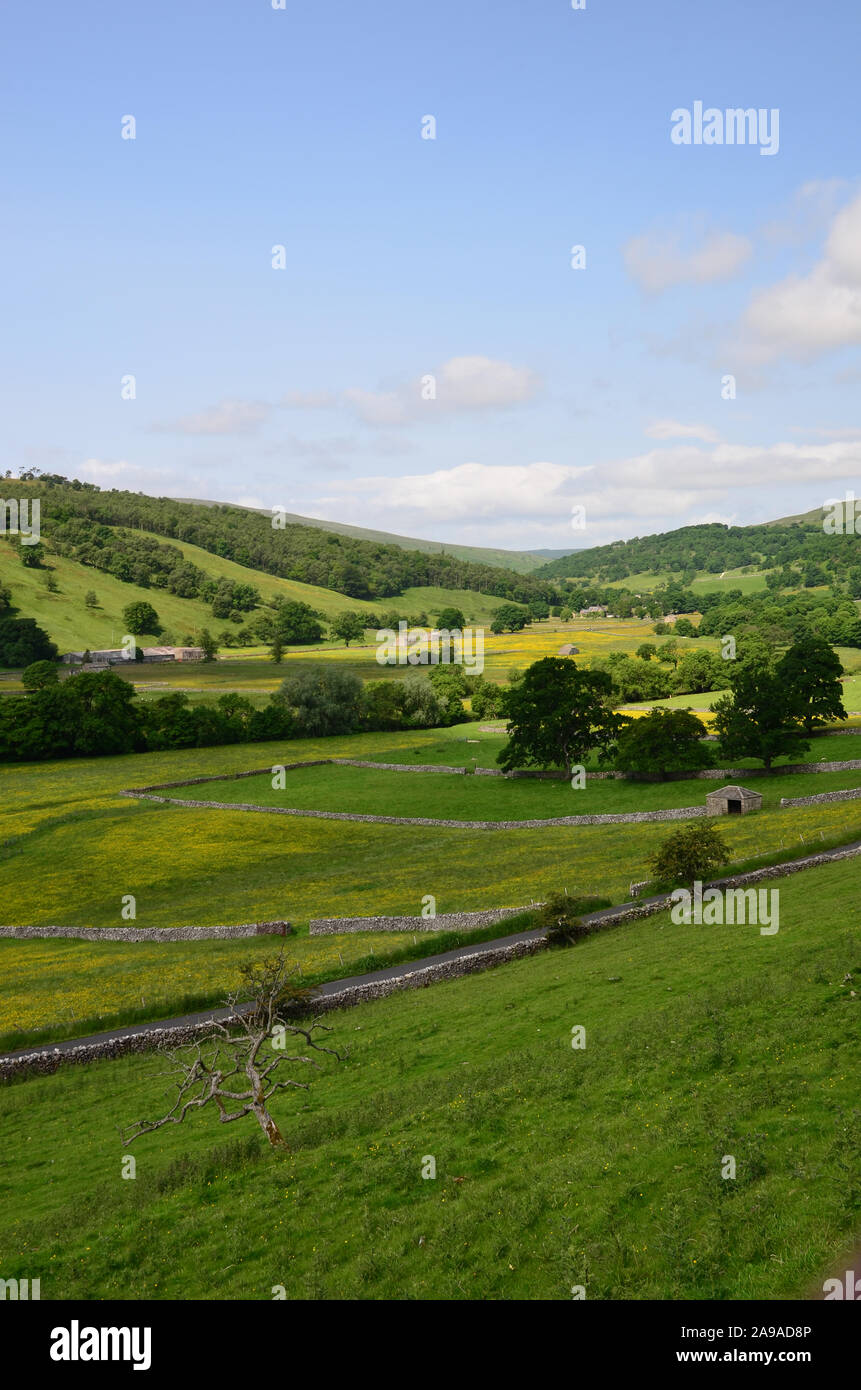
(447, 258)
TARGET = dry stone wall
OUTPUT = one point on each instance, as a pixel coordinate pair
(153, 933)
(421, 975)
(444, 921)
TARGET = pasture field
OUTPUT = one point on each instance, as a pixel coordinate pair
(555, 1166)
(71, 847)
(364, 791)
(646, 582)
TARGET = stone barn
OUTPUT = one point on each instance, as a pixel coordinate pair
(568, 650)
(733, 801)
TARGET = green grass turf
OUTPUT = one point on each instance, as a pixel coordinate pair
(599, 1166)
(369, 792)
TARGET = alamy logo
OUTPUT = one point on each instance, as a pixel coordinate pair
(23, 1289)
(76, 1343)
(848, 1288)
(730, 907)
(20, 519)
(421, 646)
(843, 516)
(735, 126)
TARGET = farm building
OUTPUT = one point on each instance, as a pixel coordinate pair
(112, 656)
(569, 650)
(733, 801)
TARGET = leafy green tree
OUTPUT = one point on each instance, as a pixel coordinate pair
(557, 714)
(104, 716)
(297, 624)
(451, 620)
(668, 652)
(487, 699)
(509, 618)
(698, 671)
(383, 705)
(349, 627)
(140, 618)
(22, 642)
(646, 651)
(51, 582)
(91, 600)
(276, 651)
(662, 741)
(756, 719)
(423, 708)
(208, 645)
(39, 674)
(33, 556)
(811, 670)
(691, 853)
(321, 701)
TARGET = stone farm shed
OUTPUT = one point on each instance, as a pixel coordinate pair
(733, 801)
(568, 650)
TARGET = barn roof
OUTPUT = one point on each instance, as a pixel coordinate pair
(733, 793)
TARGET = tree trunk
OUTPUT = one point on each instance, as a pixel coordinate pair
(270, 1129)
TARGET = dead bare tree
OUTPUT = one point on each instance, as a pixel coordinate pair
(202, 1073)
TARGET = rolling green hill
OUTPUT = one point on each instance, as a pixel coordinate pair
(73, 626)
(521, 561)
(714, 549)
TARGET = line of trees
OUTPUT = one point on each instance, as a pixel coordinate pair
(90, 714)
(559, 714)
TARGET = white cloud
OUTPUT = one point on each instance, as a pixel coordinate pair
(683, 485)
(657, 262)
(377, 407)
(460, 384)
(307, 400)
(229, 417)
(480, 383)
(739, 466)
(811, 209)
(674, 429)
(822, 432)
(804, 316)
(93, 469)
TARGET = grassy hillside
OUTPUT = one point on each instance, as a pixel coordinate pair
(521, 561)
(73, 626)
(646, 582)
(555, 1166)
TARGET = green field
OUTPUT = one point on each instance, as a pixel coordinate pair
(71, 847)
(646, 582)
(599, 1167)
(353, 790)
